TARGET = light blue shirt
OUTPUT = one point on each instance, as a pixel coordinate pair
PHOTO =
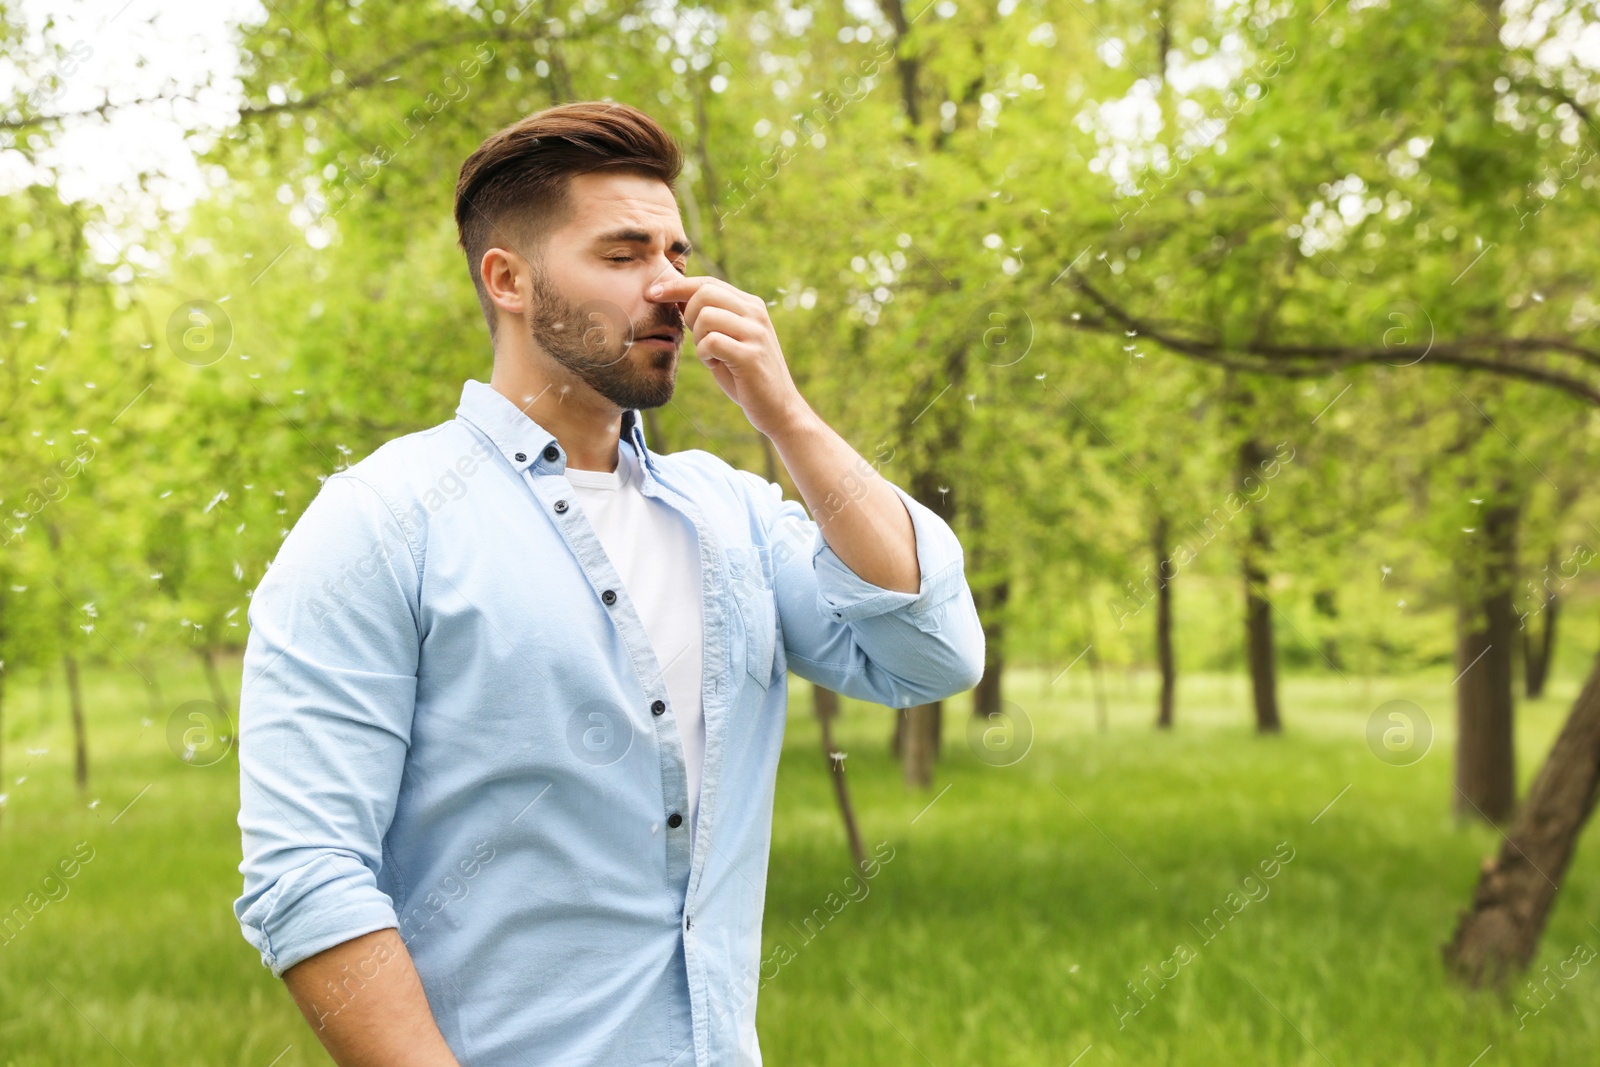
(452, 722)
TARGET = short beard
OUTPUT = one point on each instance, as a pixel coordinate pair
(592, 340)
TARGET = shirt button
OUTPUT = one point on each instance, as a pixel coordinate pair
(561, 507)
(674, 820)
(608, 597)
(521, 456)
(552, 453)
(658, 707)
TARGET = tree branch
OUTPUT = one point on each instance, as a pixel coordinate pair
(1488, 354)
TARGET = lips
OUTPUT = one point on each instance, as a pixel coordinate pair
(666, 334)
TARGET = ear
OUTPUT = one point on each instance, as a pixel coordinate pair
(507, 279)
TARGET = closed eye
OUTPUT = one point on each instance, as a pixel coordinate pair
(681, 268)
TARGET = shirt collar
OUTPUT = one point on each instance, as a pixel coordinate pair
(522, 440)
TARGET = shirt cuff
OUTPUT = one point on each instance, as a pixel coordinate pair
(312, 908)
(845, 596)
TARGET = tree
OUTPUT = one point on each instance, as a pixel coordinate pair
(1499, 933)
(1274, 206)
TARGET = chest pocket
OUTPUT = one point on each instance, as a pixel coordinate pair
(758, 613)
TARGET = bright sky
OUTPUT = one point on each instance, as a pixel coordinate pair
(125, 50)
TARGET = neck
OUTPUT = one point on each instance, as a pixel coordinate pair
(586, 425)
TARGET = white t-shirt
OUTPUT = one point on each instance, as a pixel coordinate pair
(655, 552)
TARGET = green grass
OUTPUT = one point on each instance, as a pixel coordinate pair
(1003, 932)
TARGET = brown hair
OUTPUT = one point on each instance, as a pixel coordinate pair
(513, 189)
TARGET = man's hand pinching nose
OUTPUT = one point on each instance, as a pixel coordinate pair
(734, 336)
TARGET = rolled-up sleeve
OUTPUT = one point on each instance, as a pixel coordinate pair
(325, 709)
(887, 646)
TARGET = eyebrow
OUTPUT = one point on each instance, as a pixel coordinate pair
(640, 237)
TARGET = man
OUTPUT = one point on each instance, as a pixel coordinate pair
(515, 687)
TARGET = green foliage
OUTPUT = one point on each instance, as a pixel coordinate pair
(993, 246)
(1053, 263)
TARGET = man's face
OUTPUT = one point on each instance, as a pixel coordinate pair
(589, 310)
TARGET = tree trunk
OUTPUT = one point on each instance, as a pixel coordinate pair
(906, 62)
(986, 697)
(826, 704)
(920, 743)
(1326, 603)
(917, 730)
(47, 698)
(1164, 657)
(1257, 611)
(1500, 932)
(1263, 667)
(916, 739)
(1485, 785)
(80, 740)
(219, 694)
(1536, 651)
(917, 753)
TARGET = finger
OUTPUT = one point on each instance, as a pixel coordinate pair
(674, 288)
(719, 348)
(707, 291)
(721, 320)
(719, 294)
(723, 376)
